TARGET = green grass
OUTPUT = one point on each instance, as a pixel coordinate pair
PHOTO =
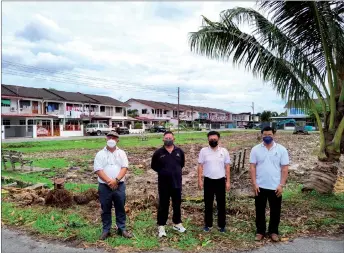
(127, 141)
(137, 171)
(51, 163)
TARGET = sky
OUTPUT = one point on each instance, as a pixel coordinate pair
(125, 50)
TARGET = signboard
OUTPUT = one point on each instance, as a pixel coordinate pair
(41, 131)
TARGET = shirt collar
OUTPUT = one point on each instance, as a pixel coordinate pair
(217, 148)
(108, 150)
(274, 145)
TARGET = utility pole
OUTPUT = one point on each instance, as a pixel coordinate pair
(178, 110)
(192, 117)
(253, 111)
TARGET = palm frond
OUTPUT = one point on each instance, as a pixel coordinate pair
(224, 40)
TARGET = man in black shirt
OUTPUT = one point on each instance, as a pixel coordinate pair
(168, 161)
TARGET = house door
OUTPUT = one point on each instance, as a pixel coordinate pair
(35, 107)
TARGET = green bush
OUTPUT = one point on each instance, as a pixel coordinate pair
(138, 125)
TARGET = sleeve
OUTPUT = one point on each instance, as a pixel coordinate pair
(201, 157)
(253, 156)
(285, 157)
(155, 161)
(125, 162)
(227, 158)
(98, 162)
(183, 159)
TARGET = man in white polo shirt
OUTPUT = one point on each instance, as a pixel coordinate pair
(214, 165)
(269, 171)
(111, 165)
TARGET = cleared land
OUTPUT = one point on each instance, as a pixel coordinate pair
(80, 225)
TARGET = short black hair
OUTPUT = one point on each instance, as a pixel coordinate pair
(168, 132)
(268, 128)
(213, 133)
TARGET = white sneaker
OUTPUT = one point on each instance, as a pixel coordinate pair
(162, 231)
(179, 227)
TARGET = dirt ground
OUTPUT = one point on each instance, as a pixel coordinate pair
(302, 151)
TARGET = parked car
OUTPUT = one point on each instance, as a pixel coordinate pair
(158, 129)
(122, 130)
(241, 126)
(98, 128)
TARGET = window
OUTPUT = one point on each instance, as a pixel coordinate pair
(22, 122)
(5, 103)
(6, 123)
(24, 103)
(31, 122)
(144, 111)
(118, 109)
(165, 111)
(102, 108)
(153, 111)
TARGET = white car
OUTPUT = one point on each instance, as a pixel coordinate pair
(98, 128)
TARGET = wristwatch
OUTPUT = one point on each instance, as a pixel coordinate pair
(118, 180)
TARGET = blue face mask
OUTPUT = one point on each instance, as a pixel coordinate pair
(268, 140)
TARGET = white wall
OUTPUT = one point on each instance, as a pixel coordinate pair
(138, 106)
(71, 133)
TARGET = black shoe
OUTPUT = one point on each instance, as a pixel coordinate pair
(125, 234)
(104, 236)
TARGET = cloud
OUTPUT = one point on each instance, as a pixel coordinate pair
(42, 28)
(138, 44)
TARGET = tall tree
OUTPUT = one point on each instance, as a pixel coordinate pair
(266, 116)
(299, 49)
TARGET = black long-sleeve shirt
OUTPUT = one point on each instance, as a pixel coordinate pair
(169, 166)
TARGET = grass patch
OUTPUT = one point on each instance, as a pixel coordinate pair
(50, 163)
(126, 141)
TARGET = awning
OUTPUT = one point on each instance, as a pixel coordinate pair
(5, 102)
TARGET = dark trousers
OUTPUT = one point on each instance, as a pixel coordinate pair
(165, 194)
(275, 211)
(109, 198)
(215, 187)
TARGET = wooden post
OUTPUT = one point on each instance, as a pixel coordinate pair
(234, 157)
(244, 158)
(239, 160)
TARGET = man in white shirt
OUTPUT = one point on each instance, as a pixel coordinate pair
(269, 171)
(214, 165)
(111, 165)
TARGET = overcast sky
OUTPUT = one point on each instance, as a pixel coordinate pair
(126, 45)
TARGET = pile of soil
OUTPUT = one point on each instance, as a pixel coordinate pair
(59, 198)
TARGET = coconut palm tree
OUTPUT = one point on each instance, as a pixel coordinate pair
(298, 48)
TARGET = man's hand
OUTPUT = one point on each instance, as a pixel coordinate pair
(279, 191)
(228, 186)
(255, 189)
(200, 184)
(112, 184)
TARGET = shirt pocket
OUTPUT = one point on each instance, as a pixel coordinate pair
(275, 158)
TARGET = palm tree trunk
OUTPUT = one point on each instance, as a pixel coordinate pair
(324, 176)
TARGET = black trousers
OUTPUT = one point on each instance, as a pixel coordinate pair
(215, 187)
(275, 211)
(165, 194)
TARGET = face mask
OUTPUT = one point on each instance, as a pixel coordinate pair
(168, 143)
(267, 140)
(213, 143)
(111, 143)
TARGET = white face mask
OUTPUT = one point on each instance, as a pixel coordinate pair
(111, 143)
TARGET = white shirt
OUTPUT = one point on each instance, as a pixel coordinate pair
(214, 162)
(110, 163)
(268, 164)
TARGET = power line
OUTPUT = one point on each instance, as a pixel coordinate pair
(33, 69)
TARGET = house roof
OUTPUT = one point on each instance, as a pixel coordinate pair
(105, 100)
(72, 96)
(153, 104)
(170, 106)
(28, 92)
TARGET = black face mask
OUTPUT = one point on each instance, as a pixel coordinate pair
(213, 143)
(168, 143)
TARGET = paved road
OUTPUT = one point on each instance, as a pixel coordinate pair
(17, 242)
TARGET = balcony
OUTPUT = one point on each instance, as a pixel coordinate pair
(24, 110)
